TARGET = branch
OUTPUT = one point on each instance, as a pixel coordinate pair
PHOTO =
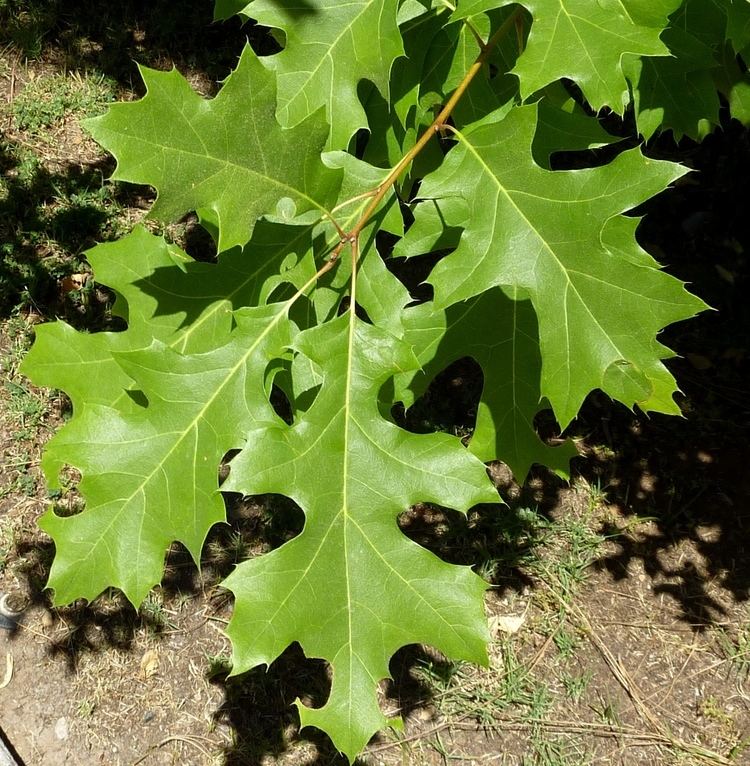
(436, 126)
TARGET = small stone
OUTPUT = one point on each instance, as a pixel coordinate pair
(506, 623)
(61, 729)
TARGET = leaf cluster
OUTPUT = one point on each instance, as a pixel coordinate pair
(384, 131)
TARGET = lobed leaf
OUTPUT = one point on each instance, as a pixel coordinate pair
(542, 231)
(351, 588)
(330, 48)
(498, 330)
(150, 477)
(226, 158)
(585, 42)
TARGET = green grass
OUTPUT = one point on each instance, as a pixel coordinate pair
(736, 649)
(567, 641)
(24, 407)
(557, 555)
(7, 545)
(576, 685)
(219, 666)
(49, 99)
(25, 25)
(154, 612)
(555, 751)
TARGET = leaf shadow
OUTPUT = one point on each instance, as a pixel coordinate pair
(259, 705)
(158, 34)
(47, 219)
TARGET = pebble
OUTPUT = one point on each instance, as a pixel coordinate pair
(61, 728)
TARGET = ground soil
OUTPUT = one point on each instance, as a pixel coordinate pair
(658, 622)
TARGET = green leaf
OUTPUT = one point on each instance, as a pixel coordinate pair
(666, 96)
(150, 477)
(584, 41)
(395, 124)
(351, 588)
(738, 24)
(564, 126)
(498, 330)
(452, 53)
(677, 92)
(164, 295)
(542, 231)
(359, 175)
(737, 90)
(227, 158)
(330, 48)
(224, 9)
(166, 298)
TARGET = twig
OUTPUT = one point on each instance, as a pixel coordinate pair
(8, 670)
(411, 738)
(187, 739)
(631, 689)
(437, 125)
(510, 724)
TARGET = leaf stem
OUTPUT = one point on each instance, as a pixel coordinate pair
(352, 200)
(437, 125)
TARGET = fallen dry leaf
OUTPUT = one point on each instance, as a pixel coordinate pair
(507, 623)
(73, 282)
(150, 663)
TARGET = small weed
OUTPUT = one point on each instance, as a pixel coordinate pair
(514, 688)
(26, 484)
(566, 642)
(575, 686)
(711, 708)
(20, 334)
(439, 675)
(24, 25)
(7, 544)
(739, 749)
(540, 703)
(157, 617)
(597, 496)
(557, 751)
(182, 600)
(510, 541)
(607, 712)
(569, 549)
(219, 666)
(736, 650)
(26, 408)
(50, 99)
(85, 708)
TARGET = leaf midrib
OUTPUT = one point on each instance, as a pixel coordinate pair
(233, 166)
(184, 433)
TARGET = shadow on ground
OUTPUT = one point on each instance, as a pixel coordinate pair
(80, 37)
(47, 220)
